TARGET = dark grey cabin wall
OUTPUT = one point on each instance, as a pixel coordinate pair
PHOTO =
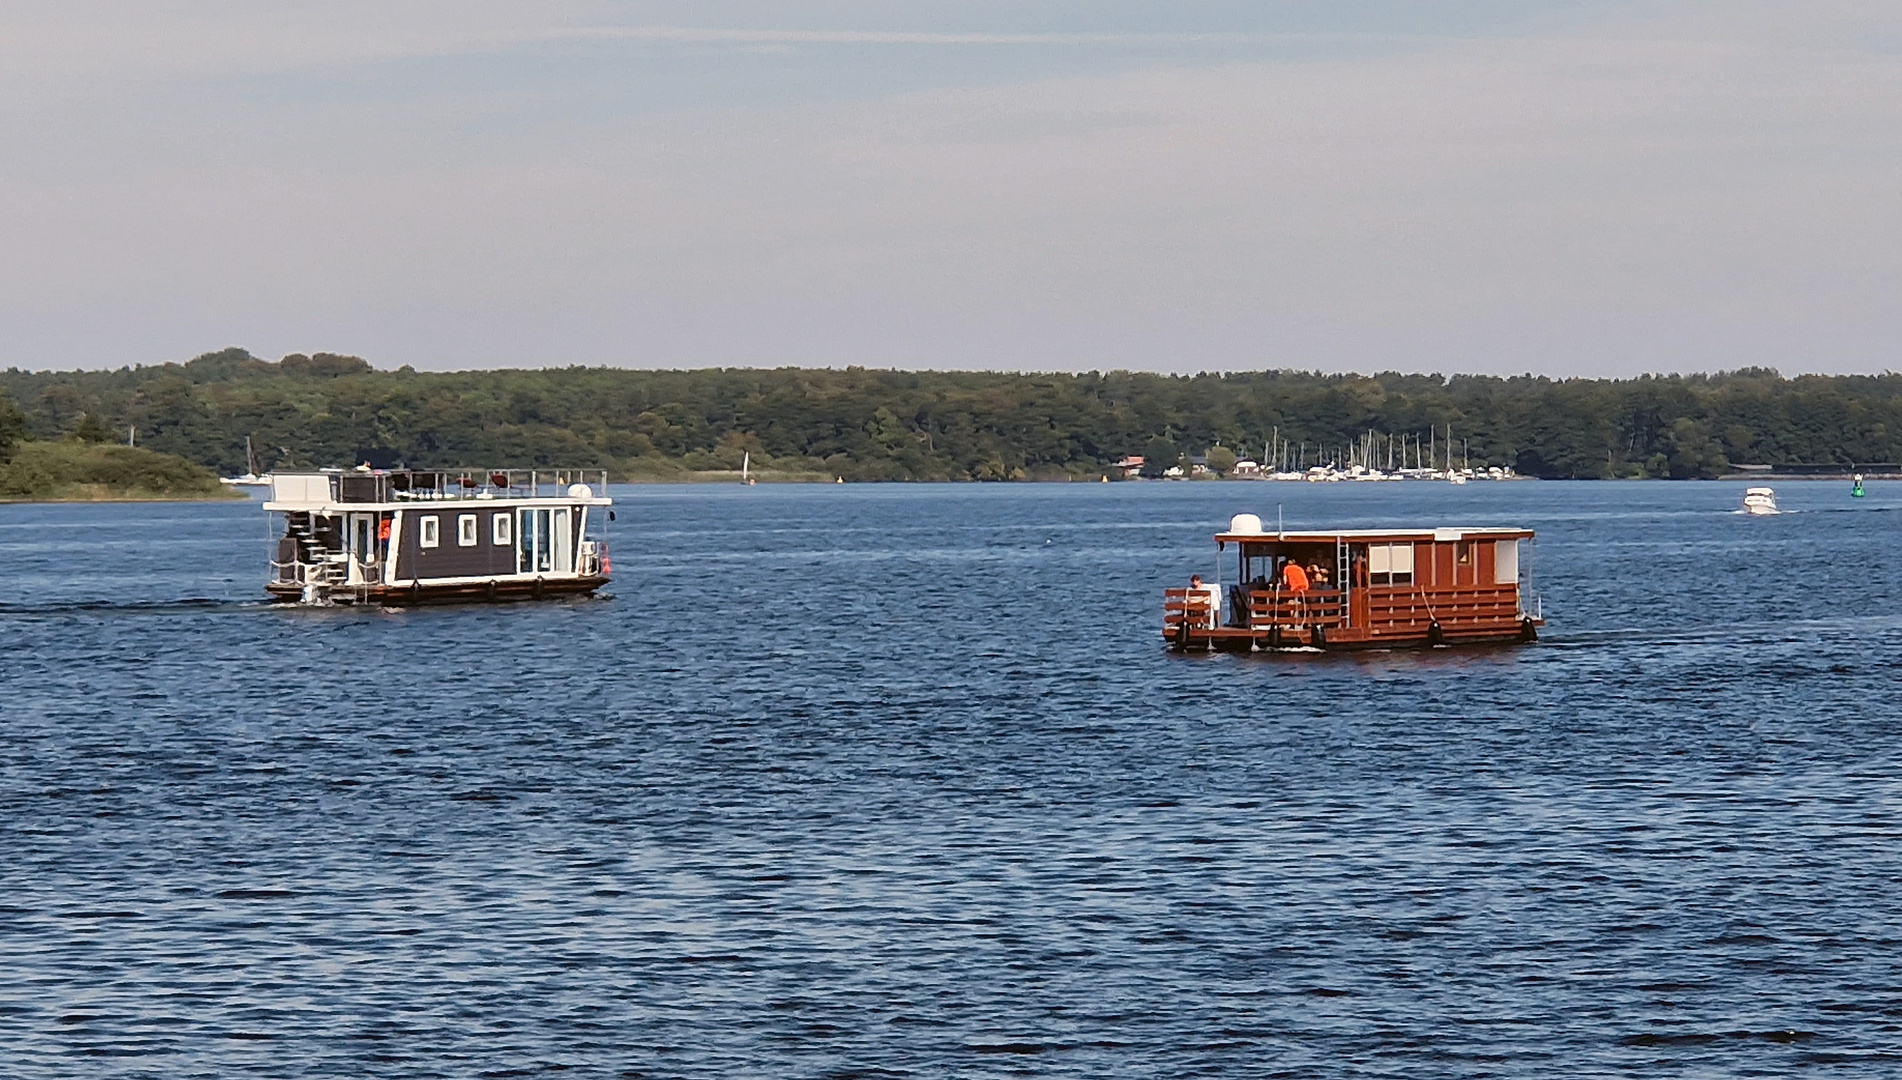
(450, 559)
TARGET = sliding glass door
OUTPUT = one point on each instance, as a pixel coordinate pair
(545, 542)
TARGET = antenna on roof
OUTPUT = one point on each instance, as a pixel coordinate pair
(1279, 531)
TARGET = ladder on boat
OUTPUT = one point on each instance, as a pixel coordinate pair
(1343, 583)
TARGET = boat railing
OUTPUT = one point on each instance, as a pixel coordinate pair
(1186, 609)
(403, 485)
(1288, 609)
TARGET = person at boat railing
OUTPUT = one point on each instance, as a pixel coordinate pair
(1214, 595)
(1317, 575)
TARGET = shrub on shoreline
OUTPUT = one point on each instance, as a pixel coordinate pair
(80, 471)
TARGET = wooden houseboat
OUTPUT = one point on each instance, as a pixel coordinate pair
(410, 535)
(1360, 589)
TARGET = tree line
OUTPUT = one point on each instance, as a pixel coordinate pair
(864, 424)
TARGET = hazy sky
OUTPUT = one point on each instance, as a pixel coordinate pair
(1568, 188)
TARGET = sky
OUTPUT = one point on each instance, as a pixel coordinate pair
(1565, 188)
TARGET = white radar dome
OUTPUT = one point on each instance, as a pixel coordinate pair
(1245, 523)
(580, 491)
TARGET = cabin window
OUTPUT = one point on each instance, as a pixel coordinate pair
(466, 530)
(1463, 553)
(502, 530)
(430, 533)
(1506, 562)
(1390, 564)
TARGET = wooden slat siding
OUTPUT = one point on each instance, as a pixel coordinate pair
(1179, 604)
(1443, 576)
(1322, 608)
(1485, 562)
(1403, 611)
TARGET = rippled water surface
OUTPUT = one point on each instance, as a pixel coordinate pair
(898, 781)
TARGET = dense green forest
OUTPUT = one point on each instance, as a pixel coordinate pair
(862, 424)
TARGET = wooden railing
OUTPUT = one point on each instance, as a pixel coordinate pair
(1387, 611)
(1402, 609)
(1186, 608)
(1270, 608)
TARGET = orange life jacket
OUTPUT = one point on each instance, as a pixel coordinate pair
(1294, 577)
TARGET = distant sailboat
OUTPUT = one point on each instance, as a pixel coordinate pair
(250, 477)
(746, 466)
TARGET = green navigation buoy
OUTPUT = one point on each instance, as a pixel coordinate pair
(1856, 492)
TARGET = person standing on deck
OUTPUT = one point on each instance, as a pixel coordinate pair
(1295, 581)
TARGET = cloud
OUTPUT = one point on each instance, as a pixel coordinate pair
(1708, 187)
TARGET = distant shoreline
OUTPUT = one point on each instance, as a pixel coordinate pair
(120, 497)
(1842, 477)
(237, 495)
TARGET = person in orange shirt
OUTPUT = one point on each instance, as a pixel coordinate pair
(1293, 578)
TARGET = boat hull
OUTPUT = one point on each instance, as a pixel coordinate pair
(1346, 639)
(400, 594)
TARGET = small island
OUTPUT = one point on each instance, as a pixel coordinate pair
(74, 471)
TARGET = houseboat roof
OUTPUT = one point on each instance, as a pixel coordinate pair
(368, 490)
(1443, 533)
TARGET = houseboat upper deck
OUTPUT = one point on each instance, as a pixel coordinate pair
(413, 535)
(1365, 588)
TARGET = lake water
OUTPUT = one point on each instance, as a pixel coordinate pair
(899, 781)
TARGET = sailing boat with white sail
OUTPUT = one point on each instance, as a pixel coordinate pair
(250, 477)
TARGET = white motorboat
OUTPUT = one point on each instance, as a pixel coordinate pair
(1760, 500)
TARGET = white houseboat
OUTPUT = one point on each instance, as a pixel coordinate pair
(412, 535)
